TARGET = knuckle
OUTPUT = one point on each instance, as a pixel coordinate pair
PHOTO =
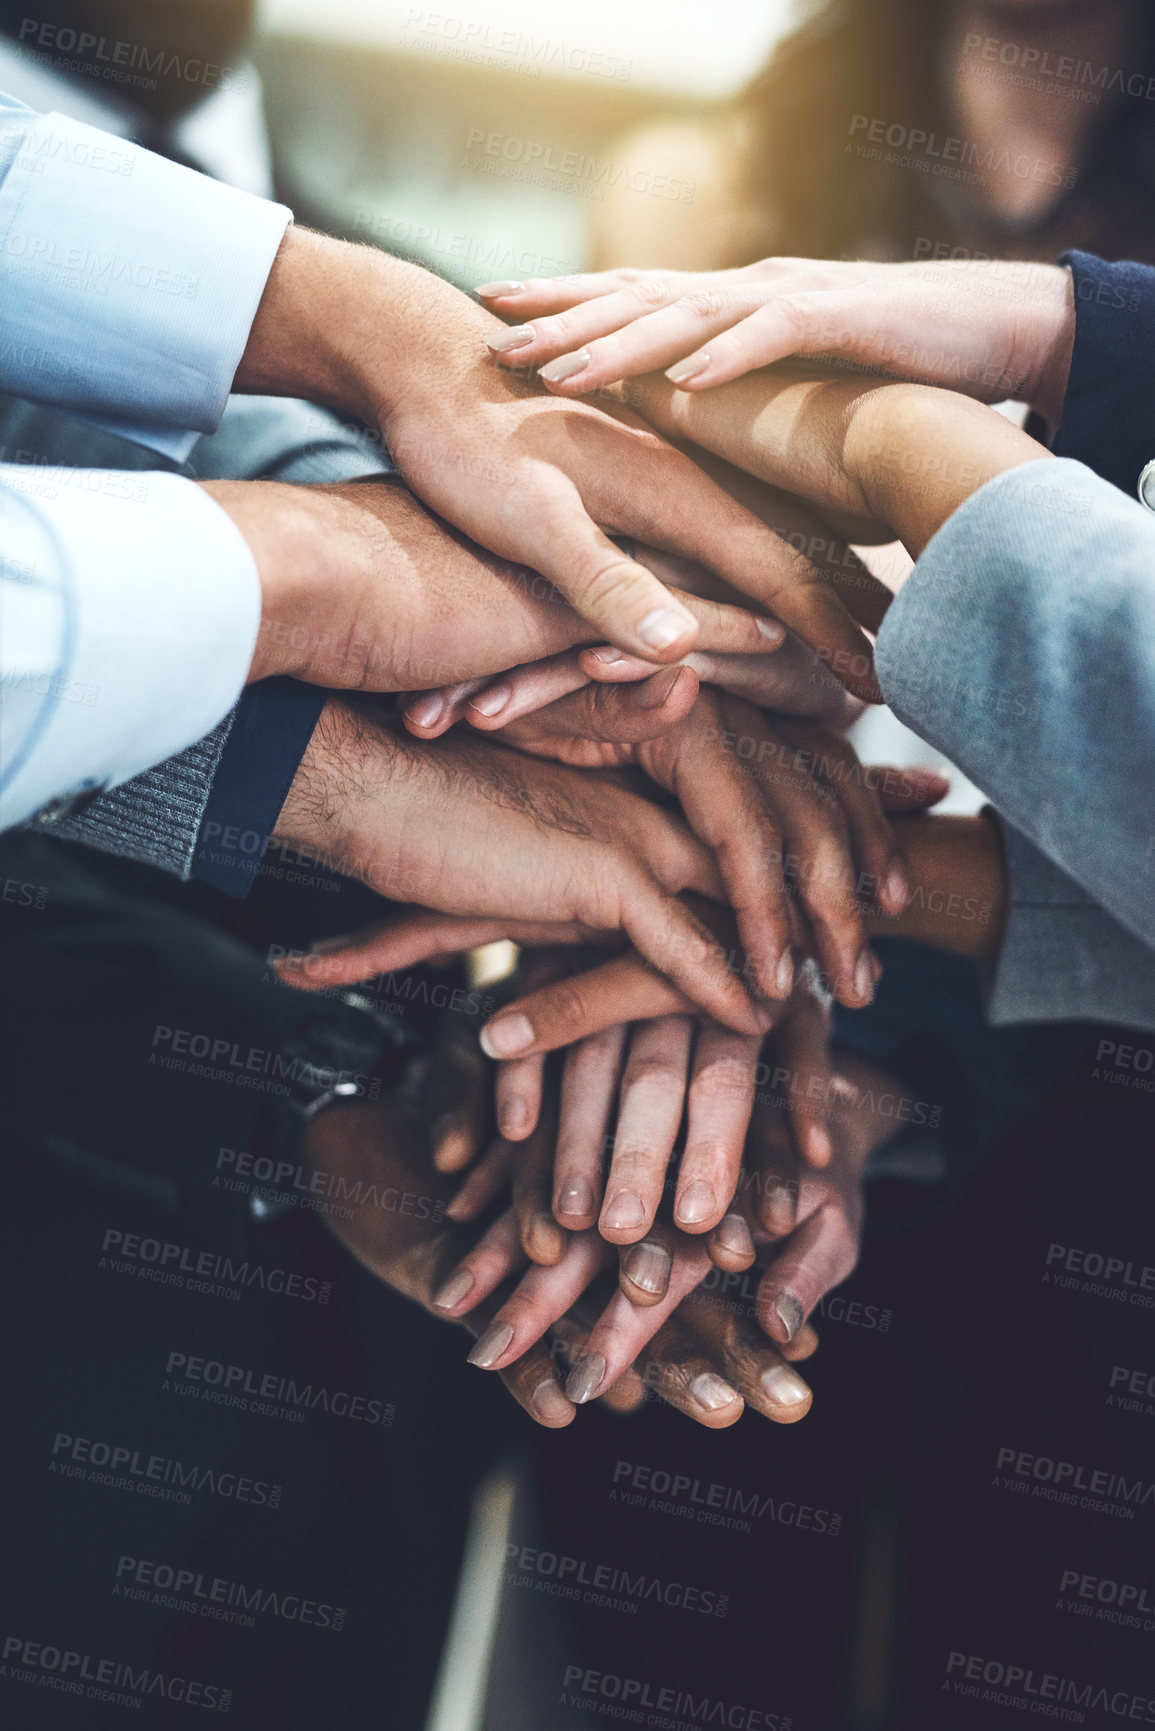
(649, 290)
(654, 1072)
(703, 304)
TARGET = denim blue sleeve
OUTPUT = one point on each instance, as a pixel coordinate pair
(1109, 409)
(129, 283)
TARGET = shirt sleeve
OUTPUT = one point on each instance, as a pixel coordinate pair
(1109, 405)
(1023, 647)
(129, 610)
(129, 283)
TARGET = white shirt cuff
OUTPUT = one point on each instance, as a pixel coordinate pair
(131, 606)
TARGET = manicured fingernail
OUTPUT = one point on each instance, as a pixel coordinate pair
(549, 1402)
(506, 1036)
(491, 701)
(663, 626)
(426, 712)
(513, 1118)
(648, 1266)
(652, 693)
(897, 885)
(789, 1312)
(607, 654)
(565, 367)
(771, 629)
(780, 1207)
(784, 978)
(623, 1211)
(783, 1387)
(696, 1205)
(454, 1290)
(819, 1147)
(488, 290)
(577, 1198)
(516, 337)
(864, 976)
(491, 1345)
(683, 370)
(585, 1378)
(733, 1235)
(712, 1393)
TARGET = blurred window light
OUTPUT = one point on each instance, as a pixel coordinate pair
(708, 51)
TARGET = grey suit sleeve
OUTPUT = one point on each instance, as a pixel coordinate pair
(156, 817)
(1023, 647)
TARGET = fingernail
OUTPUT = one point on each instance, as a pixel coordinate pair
(783, 1387)
(454, 1290)
(585, 1378)
(733, 1235)
(653, 692)
(697, 1204)
(548, 1400)
(426, 712)
(648, 1266)
(577, 1198)
(607, 654)
(784, 978)
(490, 702)
(771, 629)
(864, 976)
(489, 289)
(328, 946)
(516, 337)
(789, 1312)
(565, 367)
(506, 1036)
(712, 1393)
(683, 370)
(780, 1208)
(663, 626)
(876, 967)
(897, 885)
(491, 1345)
(819, 1146)
(623, 1211)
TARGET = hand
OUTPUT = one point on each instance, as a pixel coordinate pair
(363, 590)
(536, 481)
(992, 329)
(474, 830)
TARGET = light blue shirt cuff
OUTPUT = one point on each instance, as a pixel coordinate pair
(129, 283)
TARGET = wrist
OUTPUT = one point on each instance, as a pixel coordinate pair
(1054, 317)
(353, 328)
(280, 526)
(337, 805)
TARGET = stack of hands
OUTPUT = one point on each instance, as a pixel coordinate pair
(667, 816)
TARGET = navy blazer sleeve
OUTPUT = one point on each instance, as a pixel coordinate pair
(1109, 408)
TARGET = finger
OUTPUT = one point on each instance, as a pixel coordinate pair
(588, 1095)
(606, 340)
(679, 1372)
(882, 873)
(624, 990)
(912, 789)
(798, 324)
(482, 1182)
(721, 1099)
(539, 295)
(741, 1355)
(429, 714)
(496, 1255)
(817, 1257)
(649, 1114)
(623, 1328)
(770, 1184)
(609, 715)
(730, 1245)
(455, 1089)
(667, 501)
(518, 1096)
(523, 690)
(575, 322)
(666, 933)
(567, 1342)
(398, 944)
(803, 1053)
(542, 1239)
(541, 1296)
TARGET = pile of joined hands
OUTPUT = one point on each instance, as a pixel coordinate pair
(693, 822)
